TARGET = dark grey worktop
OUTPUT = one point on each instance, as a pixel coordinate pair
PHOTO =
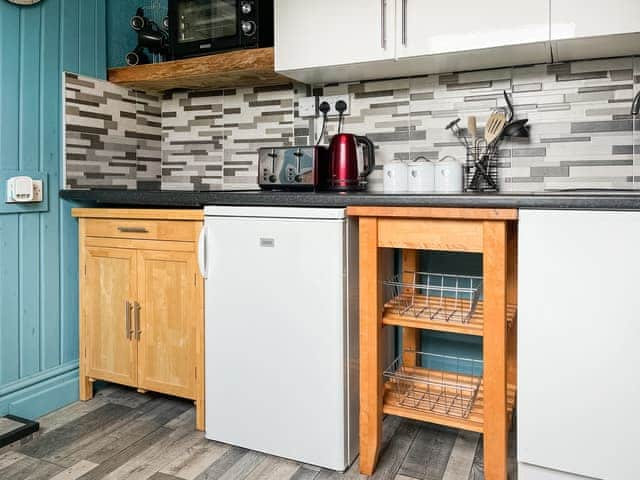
(584, 200)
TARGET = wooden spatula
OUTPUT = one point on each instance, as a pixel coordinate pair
(493, 128)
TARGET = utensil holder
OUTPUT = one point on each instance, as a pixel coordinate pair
(476, 153)
(441, 384)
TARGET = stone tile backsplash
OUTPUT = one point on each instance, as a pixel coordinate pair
(582, 134)
(112, 135)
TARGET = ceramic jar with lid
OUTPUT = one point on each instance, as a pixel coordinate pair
(395, 177)
(448, 175)
(421, 176)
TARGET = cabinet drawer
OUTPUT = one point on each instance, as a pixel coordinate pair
(143, 229)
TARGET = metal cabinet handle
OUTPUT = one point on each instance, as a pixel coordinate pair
(133, 230)
(136, 318)
(404, 22)
(202, 252)
(127, 319)
(383, 24)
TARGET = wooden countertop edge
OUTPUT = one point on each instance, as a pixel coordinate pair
(139, 213)
(435, 212)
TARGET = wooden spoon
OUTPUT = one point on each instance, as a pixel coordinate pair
(493, 128)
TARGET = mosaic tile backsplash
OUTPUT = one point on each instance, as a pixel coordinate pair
(582, 134)
(112, 135)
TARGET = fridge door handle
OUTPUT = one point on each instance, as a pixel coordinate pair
(202, 252)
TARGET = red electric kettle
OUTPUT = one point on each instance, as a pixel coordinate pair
(345, 174)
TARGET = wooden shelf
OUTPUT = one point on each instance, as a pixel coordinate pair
(240, 68)
(475, 325)
(473, 422)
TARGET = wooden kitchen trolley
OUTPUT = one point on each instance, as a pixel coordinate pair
(456, 392)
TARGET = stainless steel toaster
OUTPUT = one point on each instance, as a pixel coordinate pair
(293, 168)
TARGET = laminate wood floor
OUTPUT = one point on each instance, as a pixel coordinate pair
(121, 434)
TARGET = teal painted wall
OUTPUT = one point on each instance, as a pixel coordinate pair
(38, 250)
(120, 38)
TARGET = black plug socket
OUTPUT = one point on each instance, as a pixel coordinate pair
(324, 108)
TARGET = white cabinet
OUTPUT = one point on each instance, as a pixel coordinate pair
(339, 40)
(592, 28)
(430, 28)
(437, 37)
(332, 33)
(578, 338)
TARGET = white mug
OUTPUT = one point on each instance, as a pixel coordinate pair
(395, 177)
(421, 176)
(448, 176)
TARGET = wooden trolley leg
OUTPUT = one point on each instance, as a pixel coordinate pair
(496, 428)
(371, 387)
(410, 336)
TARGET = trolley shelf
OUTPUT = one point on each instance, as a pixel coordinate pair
(474, 421)
(474, 326)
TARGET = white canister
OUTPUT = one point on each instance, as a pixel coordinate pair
(395, 177)
(448, 175)
(421, 177)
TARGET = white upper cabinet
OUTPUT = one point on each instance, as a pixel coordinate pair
(591, 18)
(592, 28)
(310, 34)
(431, 28)
(345, 40)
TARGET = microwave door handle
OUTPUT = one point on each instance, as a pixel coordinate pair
(202, 252)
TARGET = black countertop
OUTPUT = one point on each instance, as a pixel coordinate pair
(580, 200)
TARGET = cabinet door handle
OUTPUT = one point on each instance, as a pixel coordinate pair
(202, 252)
(136, 318)
(133, 230)
(383, 24)
(127, 319)
(404, 22)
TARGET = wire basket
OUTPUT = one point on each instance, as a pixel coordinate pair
(434, 296)
(481, 169)
(441, 384)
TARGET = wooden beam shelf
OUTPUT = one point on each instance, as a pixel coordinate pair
(240, 68)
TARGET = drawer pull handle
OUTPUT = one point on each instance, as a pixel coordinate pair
(133, 230)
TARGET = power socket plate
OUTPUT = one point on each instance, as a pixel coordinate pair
(307, 105)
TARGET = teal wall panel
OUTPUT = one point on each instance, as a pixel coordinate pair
(38, 247)
(120, 38)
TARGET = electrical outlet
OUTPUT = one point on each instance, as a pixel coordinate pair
(307, 106)
(332, 99)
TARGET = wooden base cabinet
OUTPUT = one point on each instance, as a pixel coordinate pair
(141, 302)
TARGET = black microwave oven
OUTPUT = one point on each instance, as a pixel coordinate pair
(202, 27)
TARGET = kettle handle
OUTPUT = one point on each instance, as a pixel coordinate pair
(370, 157)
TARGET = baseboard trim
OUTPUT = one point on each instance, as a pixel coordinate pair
(38, 378)
(42, 393)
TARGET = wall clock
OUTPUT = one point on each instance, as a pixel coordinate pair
(24, 2)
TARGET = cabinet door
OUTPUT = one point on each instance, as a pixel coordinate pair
(578, 337)
(332, 32)
(591, 18)
(168, 322)
(108, 291)
(428, 28)
(593, 29)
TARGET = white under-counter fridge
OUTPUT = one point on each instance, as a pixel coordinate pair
(578, 345)
(281, 331)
